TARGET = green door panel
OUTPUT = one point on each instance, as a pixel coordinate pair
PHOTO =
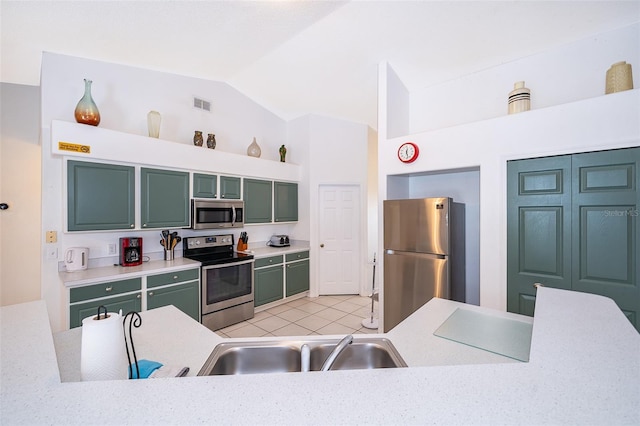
(127, 303)
(173, 277)
(205, 186)
(164, 198)
(183, 296)
(230, 187)
(106, 289)
(297, 277)
(572, 223)
(538, 228)
(285, 201)
(100, 196)
(606, 202)
(257, 201)
(269, 284)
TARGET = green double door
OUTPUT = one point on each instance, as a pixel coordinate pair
(572, 223)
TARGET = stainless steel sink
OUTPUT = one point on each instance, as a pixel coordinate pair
(280, 356)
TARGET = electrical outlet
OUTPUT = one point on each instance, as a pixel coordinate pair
(51, 237)
(52, 252)
(111, 249)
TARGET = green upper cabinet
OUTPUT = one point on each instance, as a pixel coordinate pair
(285, 201)
(100, 196)
(257, 201)
(205, 186)
(230, 187)
(164, 198)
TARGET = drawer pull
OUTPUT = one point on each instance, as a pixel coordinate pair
(108, 288)
(175, 277)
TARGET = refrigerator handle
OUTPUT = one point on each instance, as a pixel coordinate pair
(415, 254)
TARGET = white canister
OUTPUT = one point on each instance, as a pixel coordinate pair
(76, 259)
(103, 353)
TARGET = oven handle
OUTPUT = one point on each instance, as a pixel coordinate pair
(225, 265)
(233, 218)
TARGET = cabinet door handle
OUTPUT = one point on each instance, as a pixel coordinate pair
(108, 288)
(144, 225)
(536, 285)
(138, 296)
(150, 293)
(132, 225)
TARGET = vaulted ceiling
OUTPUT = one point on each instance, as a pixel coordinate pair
(298, 57)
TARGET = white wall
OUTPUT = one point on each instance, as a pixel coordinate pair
(20, 242)
(590, 124)
(337, 152)
(567, 73)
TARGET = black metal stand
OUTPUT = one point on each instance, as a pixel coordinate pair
(134, 321)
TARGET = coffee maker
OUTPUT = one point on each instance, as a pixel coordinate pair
(130, 251)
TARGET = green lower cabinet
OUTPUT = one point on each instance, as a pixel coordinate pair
(268, 285)
(297, 277)
(183, 296)
(126, 303)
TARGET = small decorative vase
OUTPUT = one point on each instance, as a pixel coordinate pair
(254, 149)
(197, 138)
(211, 141)
(283, 153)
(619, 78)
(519, 98)
(153, 122)
(87, 111)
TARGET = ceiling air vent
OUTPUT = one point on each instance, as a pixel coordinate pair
(202, 104)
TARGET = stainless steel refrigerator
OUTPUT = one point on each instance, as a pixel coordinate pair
(423, 255)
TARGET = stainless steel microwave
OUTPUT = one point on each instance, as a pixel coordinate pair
(215, 214)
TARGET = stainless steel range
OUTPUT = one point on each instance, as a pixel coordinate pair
(227, 280)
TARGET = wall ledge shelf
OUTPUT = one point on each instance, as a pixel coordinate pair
(100, 144)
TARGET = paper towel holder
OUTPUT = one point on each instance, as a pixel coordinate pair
(134, 321)
(105, 316)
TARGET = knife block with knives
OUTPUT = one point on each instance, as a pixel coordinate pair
(243, 242)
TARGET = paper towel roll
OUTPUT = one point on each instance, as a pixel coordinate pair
(103, 355)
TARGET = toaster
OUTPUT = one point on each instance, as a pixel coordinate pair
(279, 241)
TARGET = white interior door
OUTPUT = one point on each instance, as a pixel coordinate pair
(339, 236)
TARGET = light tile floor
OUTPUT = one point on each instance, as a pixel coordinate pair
(340, 314)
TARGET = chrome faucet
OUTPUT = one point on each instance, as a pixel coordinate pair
(341, 346)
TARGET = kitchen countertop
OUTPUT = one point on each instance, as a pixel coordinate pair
(583, 369)
(261, 249)
(116, 272)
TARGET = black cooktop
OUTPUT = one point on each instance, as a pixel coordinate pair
(212, 250)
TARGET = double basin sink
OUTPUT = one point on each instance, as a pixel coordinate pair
(280, 356)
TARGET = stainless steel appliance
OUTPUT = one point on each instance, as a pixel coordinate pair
(279, 241)
(226, 280)
(423, 255)
(131, 251)
(216, 214)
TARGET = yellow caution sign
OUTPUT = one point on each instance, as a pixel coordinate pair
(74, 147)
